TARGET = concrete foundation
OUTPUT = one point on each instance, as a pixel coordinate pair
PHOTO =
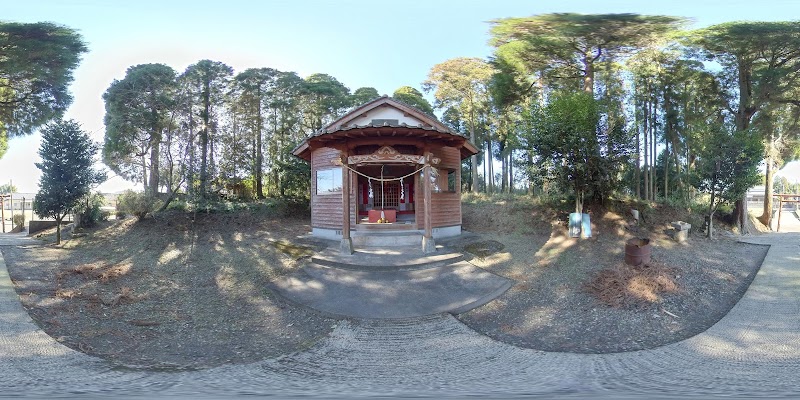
(346, 246)
(428, 245)
(336, 234)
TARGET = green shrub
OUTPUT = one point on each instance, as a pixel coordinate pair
(18, 220)
(88, 211)
(178, 205)
(138, 204)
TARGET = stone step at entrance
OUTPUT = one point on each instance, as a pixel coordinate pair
(385, 258)
(376, 283)
(379, 238)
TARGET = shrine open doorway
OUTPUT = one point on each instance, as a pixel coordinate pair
(388, 199)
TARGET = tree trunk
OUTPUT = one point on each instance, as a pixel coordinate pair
(530, 177)
(212, 165)
(155, 150)
(638, 170)
(743, 115)
(503, 169)
(144, 171)
(646, 134)
(58, 229)
(669, 118)
(678, 174)
(766, 216)
(485, 174)
(653, 119)
(511, 171)
(666, 169)
(579, 201)
(259, 154)
(711, 209)
(588, 79)
(710, 226)
(474, 157)
(190, 148)
(204, 140)
(489, 165)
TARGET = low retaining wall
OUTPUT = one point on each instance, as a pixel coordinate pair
(38, 226)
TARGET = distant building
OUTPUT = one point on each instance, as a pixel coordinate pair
(756, 194)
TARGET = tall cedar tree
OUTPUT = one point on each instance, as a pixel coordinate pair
(363, 95)
(67, 172)
(208, 82)
(413, 97)
(138, 114)
(575, 43)
(463, 83)
(762, 61)
(36, 64)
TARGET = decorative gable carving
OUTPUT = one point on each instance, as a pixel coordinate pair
(388, 154)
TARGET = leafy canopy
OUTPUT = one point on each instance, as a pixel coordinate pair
(137, 113)
(564, 135)
(760, 60)
(36, 65)
(8, 188)
(413, 97)
(573, 42)
(728, 165)
(363, 95)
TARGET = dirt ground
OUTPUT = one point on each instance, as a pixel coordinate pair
(578, 295)
(178, 291)
(189, 290)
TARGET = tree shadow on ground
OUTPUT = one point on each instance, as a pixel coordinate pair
(181, 291)
(550, 309)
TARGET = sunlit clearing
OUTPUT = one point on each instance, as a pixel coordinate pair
(170, 254)
(493, 259)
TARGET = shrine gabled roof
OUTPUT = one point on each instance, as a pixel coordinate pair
(422, 126)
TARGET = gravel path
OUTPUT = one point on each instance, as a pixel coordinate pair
(753, 351)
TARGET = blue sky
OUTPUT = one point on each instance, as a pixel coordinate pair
(381, 44)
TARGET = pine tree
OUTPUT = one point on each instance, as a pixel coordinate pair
(67, 174)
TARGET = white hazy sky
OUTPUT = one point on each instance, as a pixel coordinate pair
(362, 43)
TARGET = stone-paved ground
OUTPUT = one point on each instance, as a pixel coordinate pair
(753, 351)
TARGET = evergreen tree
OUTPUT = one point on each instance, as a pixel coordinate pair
(413, 97)
(138, 114)
(67, 174)
(363, 95)
(36, 64)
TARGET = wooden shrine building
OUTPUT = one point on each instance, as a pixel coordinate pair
(385, 168)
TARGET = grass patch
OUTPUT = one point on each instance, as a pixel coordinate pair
(294, 251)
(483, 249)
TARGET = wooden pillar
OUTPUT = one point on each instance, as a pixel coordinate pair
(346, 246)
(428, 245)
(780, 209)
(3, 212)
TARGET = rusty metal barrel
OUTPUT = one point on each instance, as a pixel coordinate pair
(637, 251)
